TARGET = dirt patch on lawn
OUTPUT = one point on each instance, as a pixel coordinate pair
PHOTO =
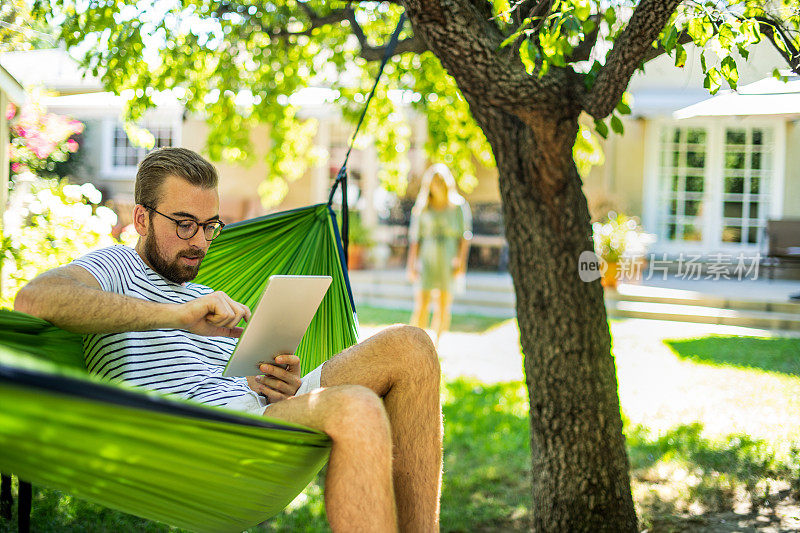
(779, 512)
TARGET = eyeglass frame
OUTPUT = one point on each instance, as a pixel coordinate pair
(195, 222)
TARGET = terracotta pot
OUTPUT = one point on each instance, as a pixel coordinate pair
(609, 279)
(355, 257)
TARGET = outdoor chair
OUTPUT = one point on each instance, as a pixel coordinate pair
(783, 245)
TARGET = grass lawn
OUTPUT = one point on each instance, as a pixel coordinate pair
(376, 316)
(703, 457)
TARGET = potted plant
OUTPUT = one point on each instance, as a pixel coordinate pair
(360, 241)
(620, 239)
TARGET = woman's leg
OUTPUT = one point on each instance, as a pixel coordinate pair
(422, 300)
(441, 321)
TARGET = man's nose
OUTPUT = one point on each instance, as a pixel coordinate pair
(199, 240)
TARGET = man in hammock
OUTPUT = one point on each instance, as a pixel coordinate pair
(145, 323)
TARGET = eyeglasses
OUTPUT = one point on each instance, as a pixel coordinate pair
(186, 229)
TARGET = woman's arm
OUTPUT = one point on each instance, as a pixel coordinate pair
(463, 253)
(411, 263)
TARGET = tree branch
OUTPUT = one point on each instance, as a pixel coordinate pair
(583, 51)
(315, 21)
(655, 51)
(533, 8)
(375, 53)
(630, 49)
(468, 46)
(775, 32)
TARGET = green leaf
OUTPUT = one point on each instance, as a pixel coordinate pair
(725, 36)
(591, 76)
(744, 52)
(700, 30)
(669, 39)
(610, 16)
(616, 125)
(582, 9)
(624, 105)
(510, 39)
(527, 54)
(713, 80)
(601, 128)
(778, 76)
(703, 61)
(729, 71)
(751, 31)
(680, 55)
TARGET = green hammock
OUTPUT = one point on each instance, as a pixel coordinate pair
(188, 464)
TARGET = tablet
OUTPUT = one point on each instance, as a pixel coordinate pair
(278, 323)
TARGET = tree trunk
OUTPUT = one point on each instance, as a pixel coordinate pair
(579, 462)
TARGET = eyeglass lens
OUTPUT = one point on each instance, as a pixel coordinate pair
(187, 229)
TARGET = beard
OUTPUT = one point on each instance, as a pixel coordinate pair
(173, 270)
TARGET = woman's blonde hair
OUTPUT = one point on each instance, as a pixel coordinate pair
(423, 197)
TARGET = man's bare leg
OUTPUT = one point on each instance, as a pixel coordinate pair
(358, 486)
(400, 365)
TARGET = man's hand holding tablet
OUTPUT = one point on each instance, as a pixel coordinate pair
(277, 383)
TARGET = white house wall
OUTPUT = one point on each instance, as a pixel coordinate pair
(791, 185)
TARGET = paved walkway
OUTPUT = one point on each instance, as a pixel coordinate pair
(656, 388)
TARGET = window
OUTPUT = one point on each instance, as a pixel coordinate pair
(747, 170)
(125, 154)
(683, 163)
(714, 184)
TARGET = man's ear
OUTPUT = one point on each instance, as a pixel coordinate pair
(140, 219)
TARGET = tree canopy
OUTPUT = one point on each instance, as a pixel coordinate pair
(237, 63)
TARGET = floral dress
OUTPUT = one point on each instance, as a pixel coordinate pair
(438, 232)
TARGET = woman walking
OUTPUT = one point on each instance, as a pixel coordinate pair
(439, 235)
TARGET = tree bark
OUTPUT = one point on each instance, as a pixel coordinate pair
(579, 460)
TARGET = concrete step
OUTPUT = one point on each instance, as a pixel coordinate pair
(642, 293)
(493, 295)
(704, 314)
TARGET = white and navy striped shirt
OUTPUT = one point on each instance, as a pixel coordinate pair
(170, 361)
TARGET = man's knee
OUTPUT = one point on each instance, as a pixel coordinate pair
(357, 414)
(415, 350)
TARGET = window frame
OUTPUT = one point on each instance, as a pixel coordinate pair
(713, 190)
(111, 171)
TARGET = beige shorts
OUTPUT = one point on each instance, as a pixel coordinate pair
(254, 403)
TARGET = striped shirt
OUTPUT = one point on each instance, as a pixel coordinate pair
(169, 361)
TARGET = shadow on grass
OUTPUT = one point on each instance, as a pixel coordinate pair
(778, 354)
(712, 476)
(377, 316)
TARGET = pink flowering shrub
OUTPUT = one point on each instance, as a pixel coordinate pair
(40, 140)
(47, 221)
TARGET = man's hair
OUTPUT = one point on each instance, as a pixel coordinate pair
(180, 162)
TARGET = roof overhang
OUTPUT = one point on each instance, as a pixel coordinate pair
(765, 98)
(738, 104)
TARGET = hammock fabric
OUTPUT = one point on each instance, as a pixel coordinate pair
(163, 458)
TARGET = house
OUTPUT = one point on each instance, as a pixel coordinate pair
(705, 173)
